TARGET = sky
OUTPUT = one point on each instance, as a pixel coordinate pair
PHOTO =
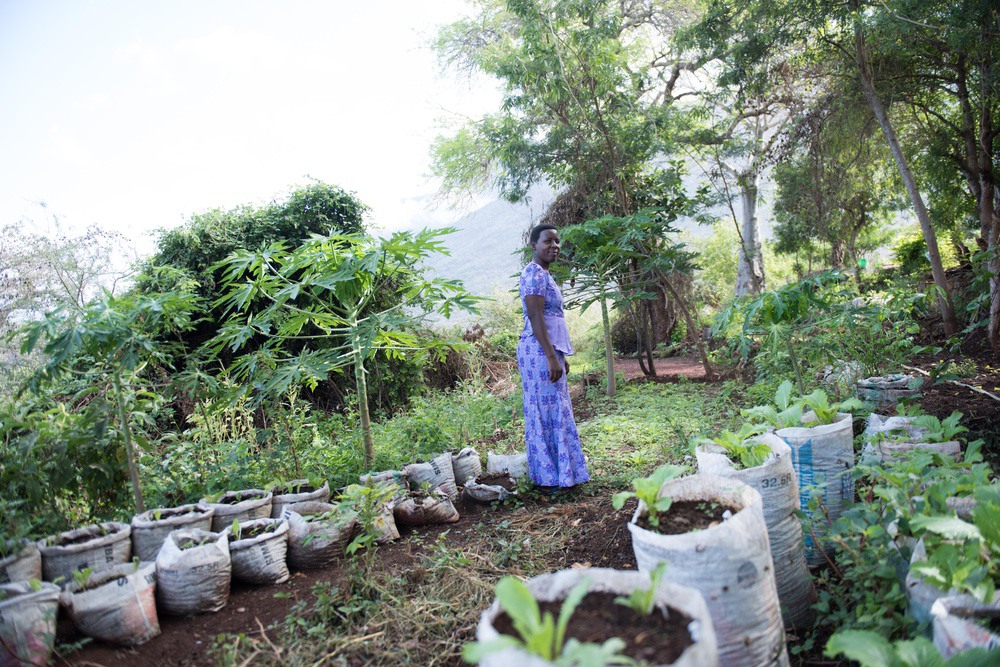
(134, 115)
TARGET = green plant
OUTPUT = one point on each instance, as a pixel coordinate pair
(783, 413)
(367, 503)
(741, 447)
(825, 411)
(647, 490)
(870, 649)
(540, 634)
(81, 578)
(641, 600)
(938, 430)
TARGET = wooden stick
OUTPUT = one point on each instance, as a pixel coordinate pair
(978, 390)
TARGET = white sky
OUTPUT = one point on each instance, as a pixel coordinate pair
(134, 114)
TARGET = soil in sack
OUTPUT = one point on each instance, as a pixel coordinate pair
(258, 550)
(495, 487)
(296, 491)
(822, 457)
(116, 606)
(686, 516)
(318, 534)
(238, 506)
(775, 480)
(27, 623)
(467, 465)
(420, 509)
(151, 528)
(515, 464)
(677, 632)
(193, 570)
(22, 562)
(98, 548)
(729, 563)
(434, 474)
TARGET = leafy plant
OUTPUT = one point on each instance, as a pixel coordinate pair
(367, 502)
(938, 430)
(81, 578)
(647, 490)
(870, 649)
(825, 411)
(540, 634)
(741, 447)
(783, 413)
(641, 600)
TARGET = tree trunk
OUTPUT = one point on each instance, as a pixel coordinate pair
(694, 334)
(362, 387)
(609, 352)
(945, 304)
(750, 273)
(133, 468)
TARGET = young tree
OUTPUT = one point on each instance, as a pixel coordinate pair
(318, 296)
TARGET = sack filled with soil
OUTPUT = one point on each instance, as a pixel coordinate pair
(467, 465)
(395, 479)
(21, 561)
(27, 623)
(318, 534)
(433, 475)
(515, 464)
(296, 491)
(151, 528)
(98, 547)
(495, 487)
(678, 632)
(116, 606)
(775, 481)
(238, 506)
(420, 509)
(729, 562)
(193, 570)
(258, 549)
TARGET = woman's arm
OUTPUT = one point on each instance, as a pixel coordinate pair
(535, 304)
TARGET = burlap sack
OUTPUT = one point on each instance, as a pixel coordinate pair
(425, 510)
(27, 623)
(434, 474)
(305, 493)
(99, 547)
(151, 528)
(467, 465)
(260, 559)
(243, 505)
(117, 605)
(315, 542)
(193, 580)
(23, 562)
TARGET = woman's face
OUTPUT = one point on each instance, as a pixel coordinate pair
(547, 246)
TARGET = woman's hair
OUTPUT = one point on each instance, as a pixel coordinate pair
(536, 232)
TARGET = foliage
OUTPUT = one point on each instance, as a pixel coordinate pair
(740, 446)
(870, 649)
(641, 600)
(785, 412)
(647, 490)
(826, 412)
(368, 504)
(939, 430)
(320, 293)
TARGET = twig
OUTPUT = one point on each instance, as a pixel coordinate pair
(978, 390)
(277, 651)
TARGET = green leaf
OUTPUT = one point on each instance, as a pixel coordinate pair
(950, 527)
(867, 648)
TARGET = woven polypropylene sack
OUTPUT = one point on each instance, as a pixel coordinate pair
(249, 504)
(99, 547)
(425, 510)
(554, 586)
(436, 474)
(515, 464)
(775, 481)
(193, 580)
(467, 465)
(316, 543)
(957, 625)
(823, 457)
(385, 525)
(487, 493)
(280, 500)
(261, 559)
(887, 390)
(118, 605)
(23, 562)
(730, 564)
(394, 479)
(27, 623)
(151, 528)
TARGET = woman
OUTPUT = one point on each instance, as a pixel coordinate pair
(555, 455)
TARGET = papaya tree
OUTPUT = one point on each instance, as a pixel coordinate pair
(299, 314)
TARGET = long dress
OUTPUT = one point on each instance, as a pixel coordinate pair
(555, 454)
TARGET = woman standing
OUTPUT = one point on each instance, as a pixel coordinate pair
(555, 455)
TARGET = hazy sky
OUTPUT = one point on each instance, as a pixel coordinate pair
(135, 114)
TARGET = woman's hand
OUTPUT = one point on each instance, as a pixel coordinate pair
(555, 368)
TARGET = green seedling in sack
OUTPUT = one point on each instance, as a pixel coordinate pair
(647, 489)
(783, 413)
(641, 600)
(825, 411)
(938, 430)
(741, 447)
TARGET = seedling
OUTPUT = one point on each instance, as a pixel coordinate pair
(783, 413)
(825, 411)
(741, 447)
(940, 430)
(191, 543)
(81, 578)
(641, 600)
(541, 635)
(871, 649)
(648, 488)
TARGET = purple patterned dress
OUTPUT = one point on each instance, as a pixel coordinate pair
(555, 455)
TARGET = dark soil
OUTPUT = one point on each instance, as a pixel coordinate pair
(286, 489)
(80, 539)
(656, 639)
(501, 479)
(251, 532)
(685, 516)
(237, 497)
(189, 543)
(175, 512)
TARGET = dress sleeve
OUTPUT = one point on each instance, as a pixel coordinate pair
(533, 280)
